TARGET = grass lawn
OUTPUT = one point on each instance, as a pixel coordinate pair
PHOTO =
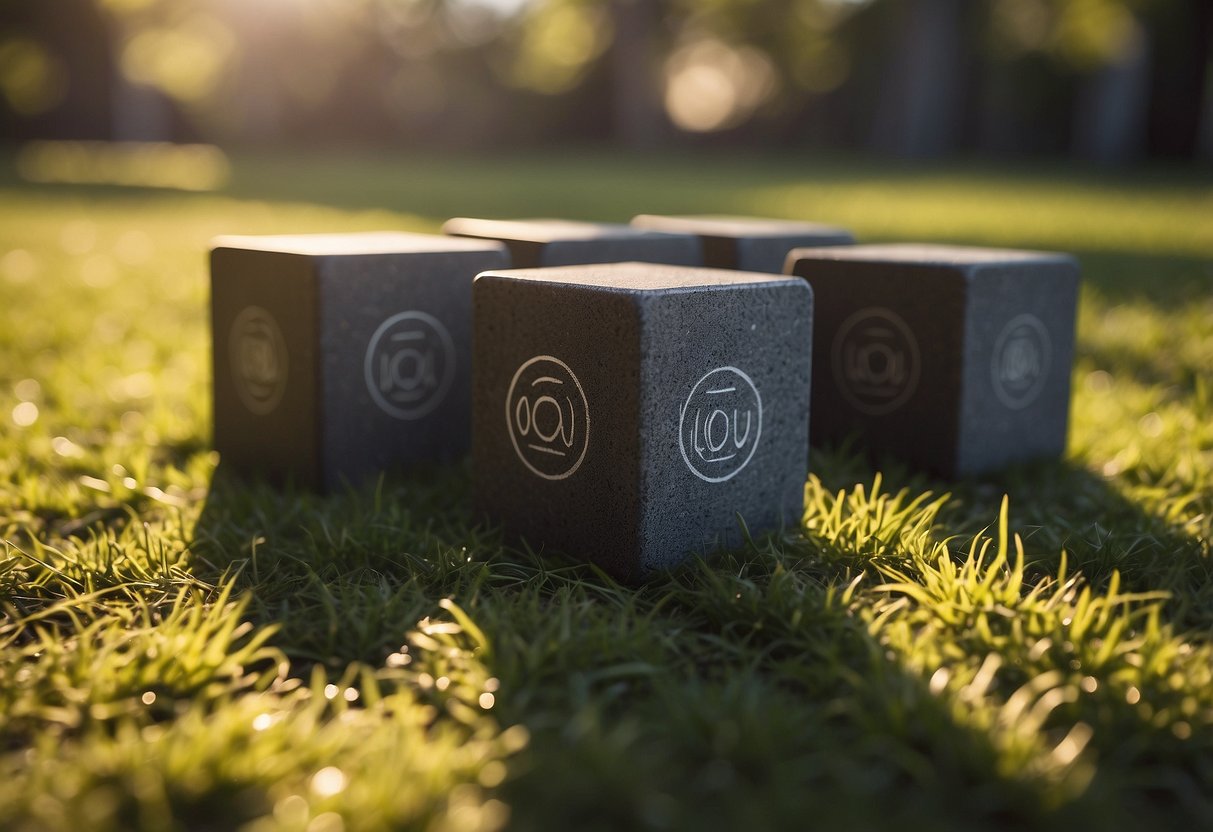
(179, 650)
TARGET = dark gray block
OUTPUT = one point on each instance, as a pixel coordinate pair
(594, 387)
(955, 359)
(540, 243)
(337, 356)
(747, 243)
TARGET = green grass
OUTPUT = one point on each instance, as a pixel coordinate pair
(179, 650)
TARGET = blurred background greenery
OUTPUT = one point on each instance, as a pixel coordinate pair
(1111, 81)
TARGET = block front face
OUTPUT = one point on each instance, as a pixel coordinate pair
(395, 341)
(547, 243)
(747, 243)
(724, 416)
(263, 321)
(671, 249)
(769, 254)
(888, 357)
(555, 401)
(1018, 359)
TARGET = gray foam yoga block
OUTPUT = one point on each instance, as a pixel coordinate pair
(747, 243)
(631, 413)
(539, 243)
(955, 359)
(337, 356)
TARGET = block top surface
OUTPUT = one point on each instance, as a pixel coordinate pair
(368, 242)
(544, 230)
(929, 254)
(721, 225)
(641, 277)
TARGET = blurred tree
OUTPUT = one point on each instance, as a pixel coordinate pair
(53, 77)
(635, 56)
(1135, 69)
(919, 110)
(1181, 89)
(1104, 79)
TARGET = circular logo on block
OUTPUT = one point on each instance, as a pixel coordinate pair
(1022, 355)
(720, 424)
(548, 417)
(259, 359)
(410, 364)
(876, 361)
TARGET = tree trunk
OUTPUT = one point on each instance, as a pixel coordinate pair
(138, 112)
(638, 120)
(1204, 150)
(1111, 116)
(918, 112)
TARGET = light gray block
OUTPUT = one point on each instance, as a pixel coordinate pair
(748, 243)
(629, 414)
(544, 242)
(955, 359)
(338, 356)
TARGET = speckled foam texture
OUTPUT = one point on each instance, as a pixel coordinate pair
(658, 353)
(358, 294)
(994, 434)
(986, 363)
(377, 329)
(747, 243)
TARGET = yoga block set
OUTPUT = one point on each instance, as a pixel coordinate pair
(624, 403)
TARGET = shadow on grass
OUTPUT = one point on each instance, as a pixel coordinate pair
(748, 693)
(1065, 506)
(344, 575)
(1060, 506)
(753, 700)
(744, 692)
(718, 696)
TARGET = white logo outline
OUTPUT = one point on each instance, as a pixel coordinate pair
(908, 386)
(682, 414)
(259, 373)
(511, 408)
(1042, 353)
(427, 403)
